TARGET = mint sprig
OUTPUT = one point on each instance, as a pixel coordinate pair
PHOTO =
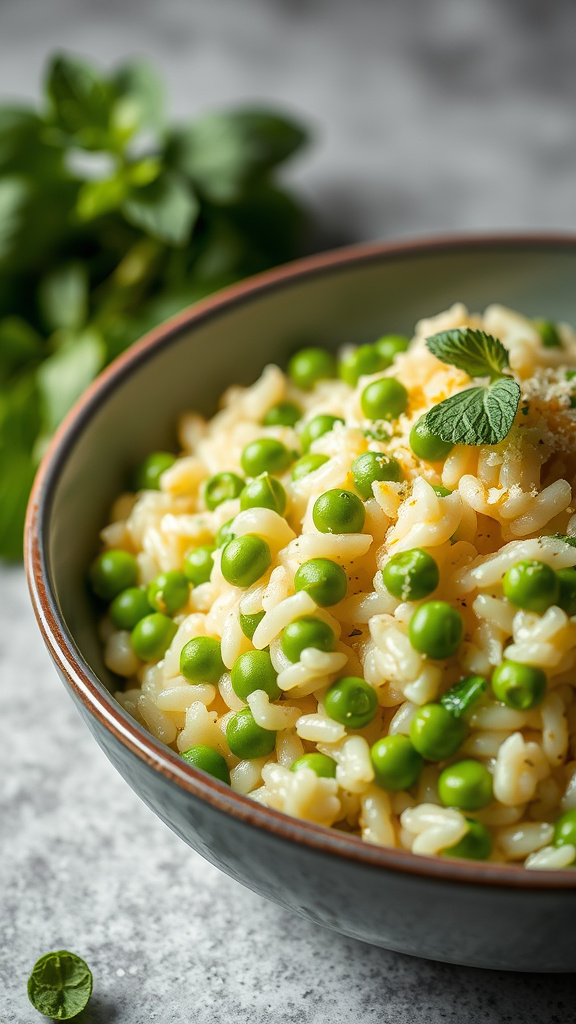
(478, 415)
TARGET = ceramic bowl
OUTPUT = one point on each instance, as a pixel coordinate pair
(485, 915)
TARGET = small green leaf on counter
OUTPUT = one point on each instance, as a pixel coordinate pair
(60, 985)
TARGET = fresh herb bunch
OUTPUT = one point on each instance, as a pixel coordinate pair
(478, 415)
(110, 221)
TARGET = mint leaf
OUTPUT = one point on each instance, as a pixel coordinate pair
(139, 87)
(167, 209)
(64, 375)
(477, 353)
(477, 415)
(80, 99)
(63, 297)
(60, 985)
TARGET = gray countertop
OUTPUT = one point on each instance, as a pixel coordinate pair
(432, 115)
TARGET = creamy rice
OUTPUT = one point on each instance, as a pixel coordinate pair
(504, 503)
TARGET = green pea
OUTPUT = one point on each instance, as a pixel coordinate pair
(201, 660)
(264, 492)
(284, 414)
(436, 629)
(249, 623)
(435, 733)
(384, 399)
(168, 592)
(322, 765)
(222, 487)
(225, 533)
(198, 564)
(307, 464)
(390, 346)
(152, 636)
(565, 829)
(531, 585)
(111, 572)
(244, 560)
(317, 427)
(548, 332)
(209, 760)
(373, 466)
(426, 445)
(441, 491)
(254, 671)
(362, 361)
(411, 575)
(466, 785)
(266, 455)
(147, 476)
(246, 739)
(307, 632)
(351, 701)
(519, 686)
(397, 765)
(310, 365)
(128, 607)
(475, 845)
(567, 590)
(323, 579)
(338, 511)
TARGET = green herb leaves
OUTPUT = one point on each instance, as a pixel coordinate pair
(479, 415)
(60, 985)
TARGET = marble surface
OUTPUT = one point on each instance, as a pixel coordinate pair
(431, 115)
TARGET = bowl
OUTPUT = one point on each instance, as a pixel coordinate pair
(484, 915)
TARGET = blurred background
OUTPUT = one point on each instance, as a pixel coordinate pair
(423, 116)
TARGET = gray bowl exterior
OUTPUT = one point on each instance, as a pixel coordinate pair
(486, 916)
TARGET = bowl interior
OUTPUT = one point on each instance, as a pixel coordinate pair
(187, 364)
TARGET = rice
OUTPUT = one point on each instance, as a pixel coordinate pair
(507, 503)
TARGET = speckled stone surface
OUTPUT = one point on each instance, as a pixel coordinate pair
(433, 115)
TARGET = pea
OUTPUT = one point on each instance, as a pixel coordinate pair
(310, 365)
(201, 660)
(565, 829)
(266, 455)
(244, 560)
(198, 564)
(323, 579)
(436, 629)
(225, 533)
(307, 464)
(248, 740)
(307, 632)
(440, 490)
(411, 575)
(254, 671)
(264, 492)
(147, 476)
(284, 414)
(435, 733)
(426, 445)
(548, 332)
(208, 760)
(373, 466)
(531, 585)
(351, 701)
(384, 399)
(317, 427)
(475, 845)
(322, 765)
(249, 623)
(152, 636)
(128, 607)
(222, 487)
(519, 686)
(390, 346)
(338, 511)
(567, 587)
(364, 360)
(466, 785)
(111, 572)
(397, 765)
(168, 592)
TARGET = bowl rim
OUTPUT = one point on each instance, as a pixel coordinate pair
(93, 694)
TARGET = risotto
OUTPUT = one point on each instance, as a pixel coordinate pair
(352, 596)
